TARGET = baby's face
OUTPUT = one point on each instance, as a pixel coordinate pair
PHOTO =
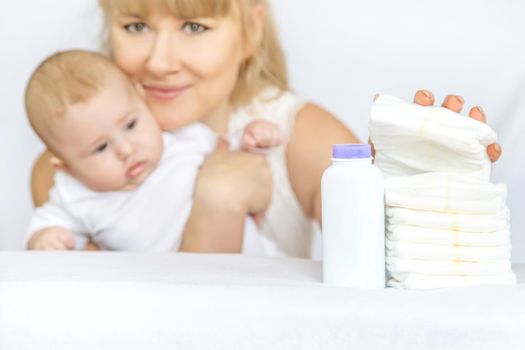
(110, 143)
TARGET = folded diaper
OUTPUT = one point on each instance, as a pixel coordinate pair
(411, 139)
(420, 281)
(448, 220)
(415, 234)
(447, 267)
(445, 192)
(410, 250)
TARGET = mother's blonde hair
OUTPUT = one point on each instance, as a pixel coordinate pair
(265, 67)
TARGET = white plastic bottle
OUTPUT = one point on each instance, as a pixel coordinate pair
(353, 219)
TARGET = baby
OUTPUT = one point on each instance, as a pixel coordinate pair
(120, 182)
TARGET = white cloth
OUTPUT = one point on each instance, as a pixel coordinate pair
(410, 250)
(411, 139)
(445, 192)
(449, 221)
(285, 223)
(407, 233)
(150, 218)
(132, 301)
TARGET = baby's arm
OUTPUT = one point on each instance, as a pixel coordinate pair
(52, 238)
(260, 134)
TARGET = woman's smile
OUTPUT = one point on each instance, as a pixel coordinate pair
(165, 92)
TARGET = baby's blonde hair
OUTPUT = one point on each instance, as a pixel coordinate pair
(61, 80)
(266, 67)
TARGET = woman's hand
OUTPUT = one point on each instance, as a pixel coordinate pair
(230, 186)
(455, 103)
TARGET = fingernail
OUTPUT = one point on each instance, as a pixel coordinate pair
(480, 110)
(428, 94)
(497, 147)
(460, 99)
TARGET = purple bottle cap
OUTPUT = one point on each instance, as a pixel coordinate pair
(352, 151)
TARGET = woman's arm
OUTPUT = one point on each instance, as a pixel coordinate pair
(230, 186)
(315, 131)
(42, 178)
(309, 153)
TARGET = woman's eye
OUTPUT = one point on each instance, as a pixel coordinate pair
(138, 27)
(131, 125)
(101, 148)
(192, 27)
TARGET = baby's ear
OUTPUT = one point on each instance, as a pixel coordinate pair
(58, 164)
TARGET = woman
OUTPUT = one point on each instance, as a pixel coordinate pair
(219, 62)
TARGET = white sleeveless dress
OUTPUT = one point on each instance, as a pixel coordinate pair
(286, 230)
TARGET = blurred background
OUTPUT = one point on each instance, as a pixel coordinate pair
(340, 54)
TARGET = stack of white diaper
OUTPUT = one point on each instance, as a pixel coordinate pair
(446, 224)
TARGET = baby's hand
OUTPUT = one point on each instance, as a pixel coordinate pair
(261, 134)
(52, 238)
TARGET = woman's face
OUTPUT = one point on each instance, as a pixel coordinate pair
(188, 68)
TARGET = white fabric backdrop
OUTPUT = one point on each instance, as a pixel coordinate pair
(340, 54)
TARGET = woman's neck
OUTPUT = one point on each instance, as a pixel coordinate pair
(219, 119)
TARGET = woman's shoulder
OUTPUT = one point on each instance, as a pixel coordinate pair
(273, 104)
(282, 102)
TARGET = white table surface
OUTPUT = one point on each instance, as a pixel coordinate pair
(77, 300)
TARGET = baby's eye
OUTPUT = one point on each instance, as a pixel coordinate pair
(194, 28)
(101, 148)
(139, 27)
(131, 125)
